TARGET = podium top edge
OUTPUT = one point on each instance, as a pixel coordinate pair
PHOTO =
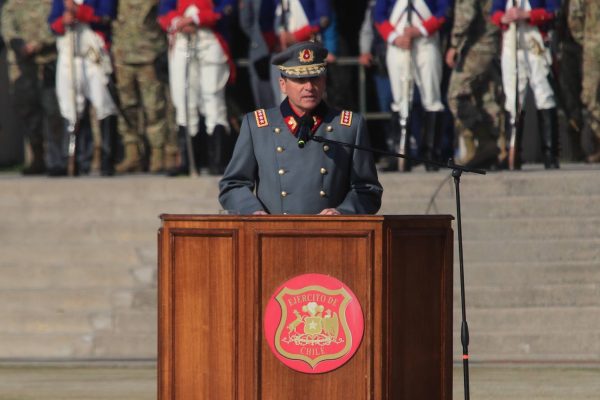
(228, 217)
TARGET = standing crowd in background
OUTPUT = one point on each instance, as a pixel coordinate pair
(126, 86)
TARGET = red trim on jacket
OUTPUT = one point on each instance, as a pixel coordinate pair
(86, 14)
(433, 24)
(385, 29)
(270, 39)
(305, 33)
(497, 20)
(539, 16)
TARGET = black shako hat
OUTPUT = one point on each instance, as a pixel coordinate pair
(301, 60)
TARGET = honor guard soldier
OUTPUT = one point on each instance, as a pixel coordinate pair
(527, 39)
(32, 70)
(84, 67)
(475, 81)
(138, 42)
(277, 169)
(285, 22)
(584, 21)
(410, 27)
(200, 65)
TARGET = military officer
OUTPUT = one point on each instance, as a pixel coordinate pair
(419, 35)
(32, 64)
(138, 41)
(584, 21)
(532, 19)
(199, 31)
(270, 173)
(84, 67)
(472, 94)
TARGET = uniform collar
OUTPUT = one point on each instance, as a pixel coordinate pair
(292, 119)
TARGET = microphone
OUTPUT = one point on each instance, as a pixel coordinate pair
(305, 123)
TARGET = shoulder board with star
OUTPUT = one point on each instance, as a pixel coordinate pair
(261, 118)
(346, 118)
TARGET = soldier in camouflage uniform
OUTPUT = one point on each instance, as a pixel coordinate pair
(569, 59)
(32, 66)
(137, 42)
(473, 94)
(584, 22)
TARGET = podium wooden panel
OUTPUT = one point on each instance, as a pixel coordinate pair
(217, 273)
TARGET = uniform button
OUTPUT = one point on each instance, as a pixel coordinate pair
(322, 193)
(285, 213)
(277, 130)
(325, 147)
(329, 128)
(323, 171)
(279, 149)
(283, 193)
(281, 171)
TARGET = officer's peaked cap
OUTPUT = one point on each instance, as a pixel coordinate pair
(301, 60)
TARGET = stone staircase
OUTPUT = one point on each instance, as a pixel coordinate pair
(78, 260)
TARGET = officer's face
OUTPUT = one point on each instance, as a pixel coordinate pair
(305, 94)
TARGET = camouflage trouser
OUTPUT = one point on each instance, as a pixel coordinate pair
(36, 108)
(590, 94)
(141, 93)
(473, 97)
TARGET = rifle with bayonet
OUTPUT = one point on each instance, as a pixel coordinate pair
(514, 156)
(406, 85)
(73, 126)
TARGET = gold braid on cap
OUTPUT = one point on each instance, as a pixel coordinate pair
(303, 69)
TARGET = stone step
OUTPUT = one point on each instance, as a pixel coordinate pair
(36, 346)
(532, 295)
(493, 273)
(44, 322)
(136, 322)
(538, 346)
(125, 345)
(560, 227)
(528, 320)
(57, 300)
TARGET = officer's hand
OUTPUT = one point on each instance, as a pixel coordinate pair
(451, 57)
(260, 212)
(365, 59)
(68, 18)
(30, 49)
(330, 211)
(412, 31)
(189, 29)
(403, 41)
(183, 23)
(70, 6)
(514, 14)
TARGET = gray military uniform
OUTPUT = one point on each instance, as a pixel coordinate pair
(268, 170)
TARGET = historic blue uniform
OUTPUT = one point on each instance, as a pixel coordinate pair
(96, 13)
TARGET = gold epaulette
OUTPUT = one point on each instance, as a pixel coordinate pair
(346, 118)
(261, 118)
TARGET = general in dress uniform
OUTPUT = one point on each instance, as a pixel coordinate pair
(198, 33)
(420, 36)
(84, 66)
(534, 61)
(271, 173)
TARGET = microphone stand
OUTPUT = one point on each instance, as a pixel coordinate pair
(457, 171)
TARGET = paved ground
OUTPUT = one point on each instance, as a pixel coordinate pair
(138, 382)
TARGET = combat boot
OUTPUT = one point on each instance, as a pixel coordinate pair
(108, 131)
(37, 166)
(216, 165)
(548, 126)
(181, 168)
(132, 161)
(157, 161)
(431, 139)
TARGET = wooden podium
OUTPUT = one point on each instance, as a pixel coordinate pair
(217, 273)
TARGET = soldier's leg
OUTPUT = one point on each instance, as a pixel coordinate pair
(569, 79)
(25, 96)
(462, 108)
(129, 95)
(590, 94)
(155, 110)
(213, 107)
(54, 129)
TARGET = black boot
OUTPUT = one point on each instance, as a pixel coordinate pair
(548, 122)
(215, 151)
(392, 141)
(183, 166)
(108, 130)
(431, 139)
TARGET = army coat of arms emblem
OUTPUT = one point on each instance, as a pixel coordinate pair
(314, 323)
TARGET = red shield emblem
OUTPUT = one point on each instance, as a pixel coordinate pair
(314, 323)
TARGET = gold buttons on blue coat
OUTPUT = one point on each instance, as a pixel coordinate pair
(279, 149)
(329, 128)
(277, 130)
(323, 171)
(322, 193)
(281, 171)
(283, 193)
(325, 147)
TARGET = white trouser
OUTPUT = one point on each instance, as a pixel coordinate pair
(425, 68)
(83, 74)
(208, 75)
(533, 67)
